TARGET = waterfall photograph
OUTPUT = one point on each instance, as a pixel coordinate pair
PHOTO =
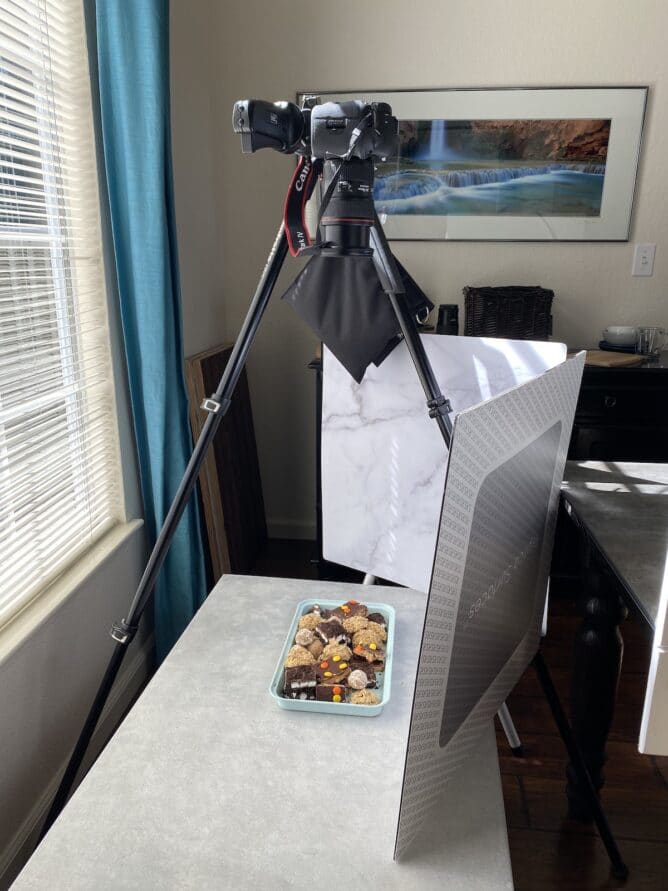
(539, 168)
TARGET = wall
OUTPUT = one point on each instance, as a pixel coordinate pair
(272, 50)
(195, 151)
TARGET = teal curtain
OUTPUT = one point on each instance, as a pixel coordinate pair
(133, 70)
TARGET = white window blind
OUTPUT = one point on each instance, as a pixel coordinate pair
(59, 464)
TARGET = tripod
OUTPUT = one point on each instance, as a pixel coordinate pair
(217, 406)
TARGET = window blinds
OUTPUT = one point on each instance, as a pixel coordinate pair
(59, 465)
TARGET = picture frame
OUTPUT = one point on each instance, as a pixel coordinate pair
(518, 164)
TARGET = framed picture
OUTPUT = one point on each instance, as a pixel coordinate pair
(510, 164)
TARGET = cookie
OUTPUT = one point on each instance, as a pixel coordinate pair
(371, 634)
(357, 679)
(310, 621)
(359, 664)
(315, 648)
(334, 650)
(304, 637)
(363, 697)
(299, 656)
(355, 623)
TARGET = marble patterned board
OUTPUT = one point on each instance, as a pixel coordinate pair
(383, 459)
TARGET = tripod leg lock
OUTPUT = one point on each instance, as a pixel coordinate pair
(123, 633)
(215, 406)
(439, 406)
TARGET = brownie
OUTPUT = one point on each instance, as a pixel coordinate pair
(372, 653)
(349, 609)
(300, 682)
(378, 619)
(332, 631)
(329, 672)
(330, 693)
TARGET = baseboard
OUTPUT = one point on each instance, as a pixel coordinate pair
(128, 685)
(281, 528)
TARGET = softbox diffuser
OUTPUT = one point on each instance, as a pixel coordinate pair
(341, 299)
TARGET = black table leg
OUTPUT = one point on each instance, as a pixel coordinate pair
(598, 658)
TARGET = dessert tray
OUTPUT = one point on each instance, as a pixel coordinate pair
(337, 658)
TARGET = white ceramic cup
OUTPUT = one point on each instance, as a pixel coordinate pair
(620, 335)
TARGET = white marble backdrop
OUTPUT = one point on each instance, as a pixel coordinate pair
(383, 459)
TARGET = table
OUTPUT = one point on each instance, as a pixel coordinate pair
(621, 512)
(207, 784)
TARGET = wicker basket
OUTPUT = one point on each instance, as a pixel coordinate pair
(517, 312)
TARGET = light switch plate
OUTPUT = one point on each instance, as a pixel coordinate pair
(643, 259)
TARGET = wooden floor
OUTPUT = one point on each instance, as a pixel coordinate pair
(548, 851)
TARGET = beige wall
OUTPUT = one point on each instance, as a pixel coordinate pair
(273, 49)
(195, 129)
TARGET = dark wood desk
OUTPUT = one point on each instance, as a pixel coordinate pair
(620, 512)
(621, 414)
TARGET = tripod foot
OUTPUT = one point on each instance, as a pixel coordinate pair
(620, 871)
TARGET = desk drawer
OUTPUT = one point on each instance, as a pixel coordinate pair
(613, 442)
(645, 405)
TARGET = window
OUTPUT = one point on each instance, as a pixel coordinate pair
(60, 485)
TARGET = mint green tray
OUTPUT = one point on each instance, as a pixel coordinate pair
(338, 708)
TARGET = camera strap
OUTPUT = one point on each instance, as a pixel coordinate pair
(294, 210)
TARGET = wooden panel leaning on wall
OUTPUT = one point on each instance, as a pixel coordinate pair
(230, 484)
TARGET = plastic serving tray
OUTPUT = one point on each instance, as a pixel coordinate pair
(337, 708)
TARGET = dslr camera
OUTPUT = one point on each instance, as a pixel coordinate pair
(343, 139)
(328, 130)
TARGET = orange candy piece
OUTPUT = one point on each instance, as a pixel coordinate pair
(336, 690)
(358, 649)
(324, 665)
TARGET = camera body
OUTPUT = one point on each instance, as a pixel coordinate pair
(333, 126)
(329, 130)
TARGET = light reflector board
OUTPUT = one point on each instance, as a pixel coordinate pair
(489, 579)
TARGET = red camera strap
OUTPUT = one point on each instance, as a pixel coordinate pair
(294, 209)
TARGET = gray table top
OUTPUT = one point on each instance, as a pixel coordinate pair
(207, 784)
(620, 505)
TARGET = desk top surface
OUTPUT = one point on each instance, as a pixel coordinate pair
(207, 784)
(621, 506)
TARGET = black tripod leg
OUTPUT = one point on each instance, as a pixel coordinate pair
(439, 406)
(619, 868)
(123, 632)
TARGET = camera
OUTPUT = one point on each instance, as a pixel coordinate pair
(328, 130)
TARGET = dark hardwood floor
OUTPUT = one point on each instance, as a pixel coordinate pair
(549, 851)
